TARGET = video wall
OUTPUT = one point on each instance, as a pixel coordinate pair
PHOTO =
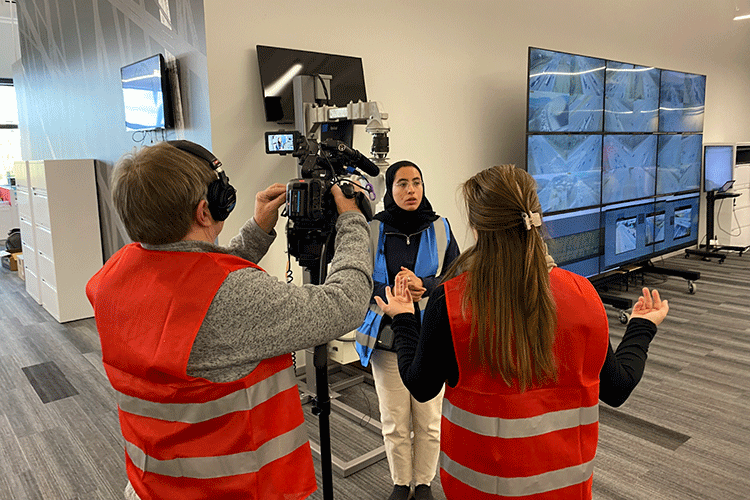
(616, 152)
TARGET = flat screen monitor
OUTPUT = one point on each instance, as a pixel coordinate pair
(567, 170)
(636, 231)
(679, 163)
(279, 66)
(575, 240)
(628, 167)
(566, 92)
(718, 165)
(631, 98)
(682, 102)
(146, 95)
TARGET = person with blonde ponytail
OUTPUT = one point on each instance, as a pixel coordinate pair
(524, 349)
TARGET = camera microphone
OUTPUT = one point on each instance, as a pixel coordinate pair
(358, 160)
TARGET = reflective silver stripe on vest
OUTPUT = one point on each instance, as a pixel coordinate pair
(517, 486)
(441, 239)
(192, 413)
(221, 466)
(520, 427)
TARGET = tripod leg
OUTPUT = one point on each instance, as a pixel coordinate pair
(323, 411)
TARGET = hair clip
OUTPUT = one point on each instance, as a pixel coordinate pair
(532, 219)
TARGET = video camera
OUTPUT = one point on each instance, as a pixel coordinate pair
(310, 205)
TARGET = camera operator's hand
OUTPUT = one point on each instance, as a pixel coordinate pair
(650, 307)
(343, 204)
(398, 301)
(267, 204)
(413, 284)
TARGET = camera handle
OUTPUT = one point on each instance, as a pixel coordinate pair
(362, 202)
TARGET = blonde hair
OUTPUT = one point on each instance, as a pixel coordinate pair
(155, 191)
(508, 289)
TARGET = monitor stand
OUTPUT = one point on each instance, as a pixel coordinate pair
(714, 251)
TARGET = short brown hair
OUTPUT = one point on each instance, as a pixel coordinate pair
(155, 191)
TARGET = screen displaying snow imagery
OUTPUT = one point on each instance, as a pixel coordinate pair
(629, 167)
(567, 169)
(679, 163)
(631, 98)
(566, 92)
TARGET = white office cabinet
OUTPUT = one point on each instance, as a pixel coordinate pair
(26, 223)
(66, 236)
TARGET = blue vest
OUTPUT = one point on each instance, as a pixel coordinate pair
(430, 254)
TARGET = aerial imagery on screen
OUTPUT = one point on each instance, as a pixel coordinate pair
(683, 222)
(655, 228)
(682, 102)
(631, 98)
(567, 169)
(625, 235)
(629, 167)
(566, 92)
(679, 163)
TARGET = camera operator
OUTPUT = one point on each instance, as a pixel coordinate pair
(196, 337)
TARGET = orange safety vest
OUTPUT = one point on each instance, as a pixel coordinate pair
(498, 442)
(187, 437)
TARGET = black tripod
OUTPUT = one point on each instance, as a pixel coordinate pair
(317, 269)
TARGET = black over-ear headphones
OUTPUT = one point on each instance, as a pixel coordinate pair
(222, 197)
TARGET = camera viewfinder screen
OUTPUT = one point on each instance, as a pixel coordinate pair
(566, 92)
(567, 169)
(629, 167)
(682, 102)
(679, 163)
(683, 222)
(625, 235)
(280, 143)
(631, 99)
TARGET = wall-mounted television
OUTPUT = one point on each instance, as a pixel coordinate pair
(278, 67)
(679, 164)
(718, 165)
(146, 95)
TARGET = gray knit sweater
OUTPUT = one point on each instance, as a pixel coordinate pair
(254, 316)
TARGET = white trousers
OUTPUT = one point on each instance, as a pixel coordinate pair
(409, 460)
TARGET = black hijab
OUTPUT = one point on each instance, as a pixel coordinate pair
(405, 221)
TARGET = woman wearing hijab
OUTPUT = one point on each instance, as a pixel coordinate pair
(411, 241)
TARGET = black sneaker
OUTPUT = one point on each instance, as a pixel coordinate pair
(400, 493)
(423, 492)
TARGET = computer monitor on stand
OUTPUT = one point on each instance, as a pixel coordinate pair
(718, 167)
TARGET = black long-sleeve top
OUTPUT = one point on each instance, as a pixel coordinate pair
(427, 361)
(401, 249)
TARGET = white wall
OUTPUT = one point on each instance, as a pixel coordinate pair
(452, 75)
(8, 39)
